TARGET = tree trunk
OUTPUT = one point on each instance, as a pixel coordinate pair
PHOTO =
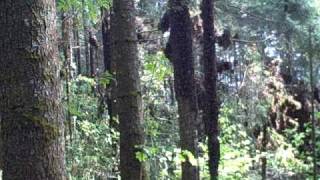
(180, 44)
(128, 89)
(92, 52)
(313, 118)
(264, 150)
(30, 92)
(86, 37)
(77, 51)
(106, 35)
(211, 107)
(66, 38)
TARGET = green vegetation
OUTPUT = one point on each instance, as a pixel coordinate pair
(265, 70)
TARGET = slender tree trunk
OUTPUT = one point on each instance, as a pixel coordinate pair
(86, 37)
(67, 53)
(128, 90)
(264, 150)
(93, 48)
(77, 51)
(32, 125)
(211, 107)
(92, 53)
(113, 67)
(313, 119)
(106, 35)
(180, 43)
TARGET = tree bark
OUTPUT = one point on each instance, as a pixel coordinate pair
(264, 150)
(128, 89)
(313, 118)
(92, 51)
(180, 44)
(67, 53)
(211, 107)
(77, 51)
(86, 37)
(30, 92)
(106, 35)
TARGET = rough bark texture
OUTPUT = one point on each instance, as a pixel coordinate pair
(211, 105)
(128, 89)
(30, 92)
(181, 56)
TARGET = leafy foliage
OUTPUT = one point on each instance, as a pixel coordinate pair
(248, 95)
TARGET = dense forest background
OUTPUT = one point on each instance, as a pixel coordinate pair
(159, 89)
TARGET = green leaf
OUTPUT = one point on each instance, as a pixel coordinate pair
(187, 155)
(141, 156)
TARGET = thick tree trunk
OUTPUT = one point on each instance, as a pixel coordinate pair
(181, 56)
(128, 89)
(30, 92)
(211, 105)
